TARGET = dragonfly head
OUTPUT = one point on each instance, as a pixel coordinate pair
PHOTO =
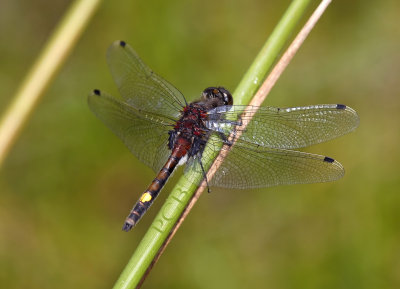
(218, 96)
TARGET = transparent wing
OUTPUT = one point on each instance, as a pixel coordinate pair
(286, 128)
(139, 85)
(250, 166)
(145, 134)
(265, 167)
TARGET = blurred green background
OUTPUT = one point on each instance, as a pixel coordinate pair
(68, 183)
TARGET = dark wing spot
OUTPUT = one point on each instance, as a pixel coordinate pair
(328, 160)
(122, 43)
(341, 106)
(96, 91)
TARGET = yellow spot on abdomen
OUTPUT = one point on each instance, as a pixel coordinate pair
(145, 197)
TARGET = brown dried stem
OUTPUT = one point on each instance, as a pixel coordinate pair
(257, 100)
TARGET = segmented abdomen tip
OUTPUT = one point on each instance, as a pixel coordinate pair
(128, 225)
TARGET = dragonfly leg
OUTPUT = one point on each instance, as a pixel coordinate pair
(171, 139)
(197, 150)
(205, 176)
(225, 139)
(197, 147)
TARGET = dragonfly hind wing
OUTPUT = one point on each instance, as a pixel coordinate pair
(249, 166)
(145, 134)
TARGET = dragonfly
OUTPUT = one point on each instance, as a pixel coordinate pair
(163, 130)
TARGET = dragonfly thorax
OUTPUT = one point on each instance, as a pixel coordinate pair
(191, 124)
(192, 121)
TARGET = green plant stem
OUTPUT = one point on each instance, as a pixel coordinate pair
(269, 52)
(182, 193)
(44, 69)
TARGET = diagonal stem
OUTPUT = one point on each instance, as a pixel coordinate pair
(43, 71)
(185, 193)
(257, 100)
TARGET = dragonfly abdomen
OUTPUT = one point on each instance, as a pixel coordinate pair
(147, 198)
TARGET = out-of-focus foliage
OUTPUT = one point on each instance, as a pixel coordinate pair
(68, 183)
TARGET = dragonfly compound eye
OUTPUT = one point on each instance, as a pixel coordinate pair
(224, 96)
